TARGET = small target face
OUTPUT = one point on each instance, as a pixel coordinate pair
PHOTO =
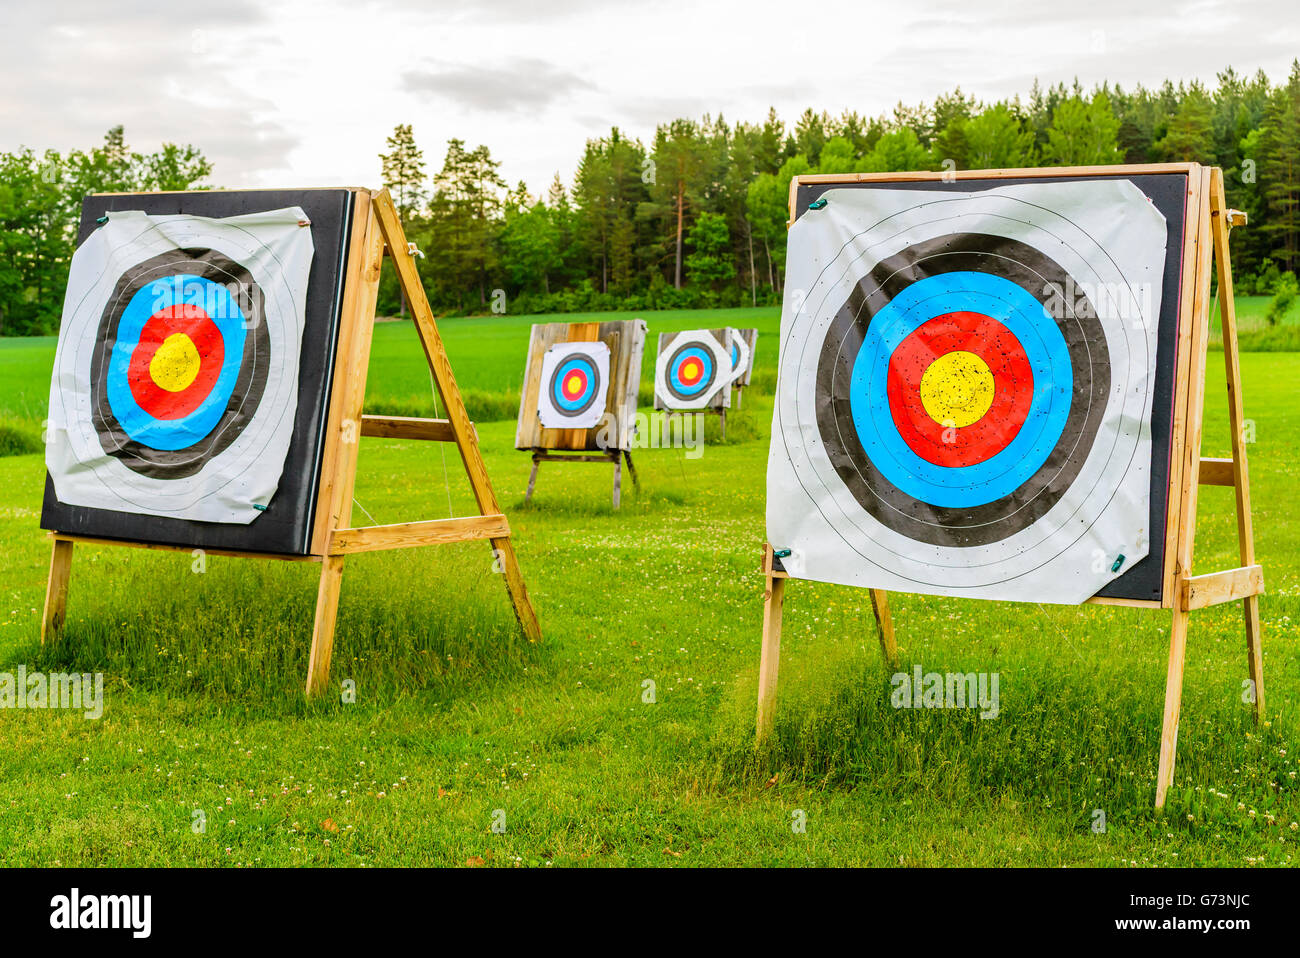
(181, 362)
(575, 384)
(572, 387)
(691, 372)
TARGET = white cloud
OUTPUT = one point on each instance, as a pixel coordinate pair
(304, 93)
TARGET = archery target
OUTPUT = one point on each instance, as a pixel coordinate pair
(739, 354)
(691, 369)
(966, 387)
(574, 383)
(176, 374)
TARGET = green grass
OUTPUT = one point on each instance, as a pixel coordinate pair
(1253, 331)
(456, 717)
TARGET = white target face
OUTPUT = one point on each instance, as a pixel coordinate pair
(574, 384)
(176, 376)
(965, 389)
(691, 369)
(741, 360)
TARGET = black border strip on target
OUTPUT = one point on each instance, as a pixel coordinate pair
(1168, 193)
(285, 528)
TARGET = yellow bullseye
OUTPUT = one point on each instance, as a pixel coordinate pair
(176, 363)
(957, 389)
(573, 386)
(690, 370)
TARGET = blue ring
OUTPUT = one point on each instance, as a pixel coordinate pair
(1049, 358)
(173, 434)
(563, 371)
(706, 377)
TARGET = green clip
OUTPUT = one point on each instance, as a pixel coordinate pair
(102, 220)
(1119, 561)
(781, 553)
(817, 204)
(259, 507)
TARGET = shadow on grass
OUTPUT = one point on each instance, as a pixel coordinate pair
(1071, 740)
(238, 636)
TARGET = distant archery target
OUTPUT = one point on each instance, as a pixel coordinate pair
(180, 362)
(574, 383)
(691, 370)
(963, 395)
(176, 376)
(740, 357)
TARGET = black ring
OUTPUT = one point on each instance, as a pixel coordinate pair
(245, 396)
(1042, 278)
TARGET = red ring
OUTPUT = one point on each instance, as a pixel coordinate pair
(564, 386)
(194, 323)
(694, 379)
(1013, 385)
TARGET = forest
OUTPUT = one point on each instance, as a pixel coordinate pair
(696, 216)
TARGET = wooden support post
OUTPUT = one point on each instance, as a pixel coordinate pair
(885, 627)
(723, 420)
(618, 479)
(770, 659)
(322, 633)
(532, 478)
(458, 419)
(1223, 219)
(1199, 319)
(631, 470)
(56, 590)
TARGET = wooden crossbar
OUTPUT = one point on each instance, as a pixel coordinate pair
(1215, 588)
(405, 535)
(1217, 472)
(407, 427)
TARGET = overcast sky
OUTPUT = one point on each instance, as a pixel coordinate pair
(304, 93)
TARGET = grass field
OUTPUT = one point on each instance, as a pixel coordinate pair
(458, 724)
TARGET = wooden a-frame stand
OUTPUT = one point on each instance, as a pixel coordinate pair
(613, 457)
(376, 230)
(1206, 237)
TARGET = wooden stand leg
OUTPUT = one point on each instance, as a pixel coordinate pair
(322, 636)
(770, 659)
(504, 552)
(618, 480)
(56, 590)
(1254, 652)
(1173, 705)
(885, 626)
(724, 424)
(1237, 422)
(532, 479)
(631, 470)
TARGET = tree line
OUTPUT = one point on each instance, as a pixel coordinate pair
(40, 207)
(696, 216)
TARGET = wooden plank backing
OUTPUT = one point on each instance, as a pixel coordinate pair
(722, 398)
(626, 342)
